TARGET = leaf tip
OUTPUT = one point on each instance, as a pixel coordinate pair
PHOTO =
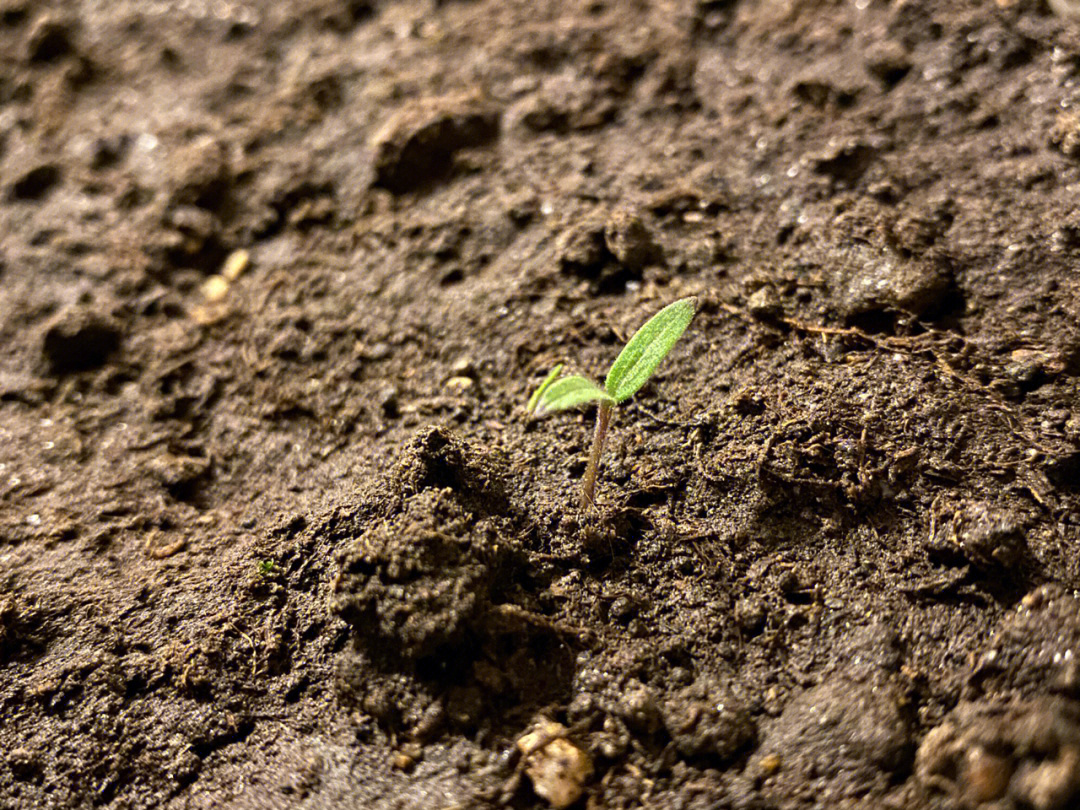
(534, 405)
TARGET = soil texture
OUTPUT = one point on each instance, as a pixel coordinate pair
(277, 279)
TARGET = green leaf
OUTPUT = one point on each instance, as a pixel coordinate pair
(534, 400)
(649, 345)
(570, 392)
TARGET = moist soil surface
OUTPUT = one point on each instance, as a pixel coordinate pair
(277, 278)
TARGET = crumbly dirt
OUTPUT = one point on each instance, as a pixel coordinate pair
(276, 532)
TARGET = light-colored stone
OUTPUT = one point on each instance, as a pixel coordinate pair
(235, 265)
(557, 768)
(215, 289)
(1066, 8)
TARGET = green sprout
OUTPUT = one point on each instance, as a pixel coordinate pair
(267, 568)
(631, 370)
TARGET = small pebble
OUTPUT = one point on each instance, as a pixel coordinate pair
(769, 764)
(459, 385)
(215, 289)
(235, 265)
(986, 775)
(764, 304)
(464, 367)
(557, 768)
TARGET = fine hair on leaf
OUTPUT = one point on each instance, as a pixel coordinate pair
(569, 392)
(534, 400)
(649, 345)
(636, 363)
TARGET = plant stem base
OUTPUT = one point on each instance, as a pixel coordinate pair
(588, 483)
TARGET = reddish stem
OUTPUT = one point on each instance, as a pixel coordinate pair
(588, 483)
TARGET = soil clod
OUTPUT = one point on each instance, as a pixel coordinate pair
(630, 241)
(1027, 751)
(416, 582)
(706, 720)
(988, 534)
(416, 146)
(853, 732)
(201, 174)
(607, 254)
(1035, 647)
(879, 279)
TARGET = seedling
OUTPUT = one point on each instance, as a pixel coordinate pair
(631, 370)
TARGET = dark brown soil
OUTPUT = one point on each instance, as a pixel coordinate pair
(284, 537)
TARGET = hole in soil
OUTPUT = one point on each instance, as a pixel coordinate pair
(36, 183)
(651, 496)
(207, 259)
(204, 748)
(13, 16)
(448, 665)
(950, 308)
(453, 275)
(893, 76)
(875, 322)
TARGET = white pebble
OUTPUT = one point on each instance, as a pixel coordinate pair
(557, 768)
